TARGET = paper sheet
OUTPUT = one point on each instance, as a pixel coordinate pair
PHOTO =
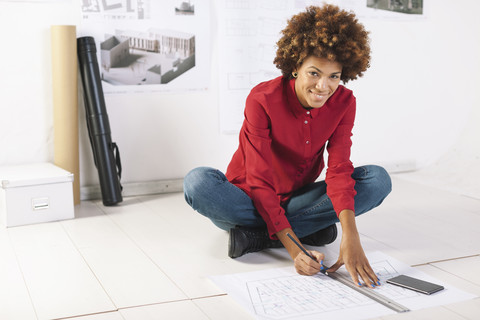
(283, 294)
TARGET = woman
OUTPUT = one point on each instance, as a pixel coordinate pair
(270, 186)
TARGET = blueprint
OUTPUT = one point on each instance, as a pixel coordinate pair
(283, 294)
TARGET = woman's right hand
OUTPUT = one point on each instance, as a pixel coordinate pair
(307, 266)
(303, 263)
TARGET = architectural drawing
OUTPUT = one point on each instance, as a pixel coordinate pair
(249, 30)
(115, 10)
(283, 294)
(285, 297)
(167, 53)
(403, 6)
(149, 46)
(282, 298)
(185, 8)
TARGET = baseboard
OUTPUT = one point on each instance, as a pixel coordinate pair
(168, 186)
(135, 189)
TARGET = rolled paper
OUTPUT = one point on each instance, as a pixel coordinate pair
(65, 102)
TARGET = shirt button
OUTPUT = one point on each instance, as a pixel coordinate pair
(306, 121)
(307, 142)
(308, 112)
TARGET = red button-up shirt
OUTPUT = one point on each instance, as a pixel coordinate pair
(281, 149)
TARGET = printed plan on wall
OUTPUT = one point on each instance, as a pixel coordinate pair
(149, 45)
(249, 31)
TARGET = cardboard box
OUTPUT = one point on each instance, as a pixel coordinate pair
(35, 193)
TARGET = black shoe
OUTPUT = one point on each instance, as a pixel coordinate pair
(321, 237)
(244, 240)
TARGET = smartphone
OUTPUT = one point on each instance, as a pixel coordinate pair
(415, 284)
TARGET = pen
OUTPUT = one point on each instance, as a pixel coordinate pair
(323, 269)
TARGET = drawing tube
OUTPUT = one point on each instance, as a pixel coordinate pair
(105, 152)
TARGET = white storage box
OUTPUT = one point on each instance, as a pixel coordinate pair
(35, 193)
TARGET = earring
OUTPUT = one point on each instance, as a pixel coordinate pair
(295, 74)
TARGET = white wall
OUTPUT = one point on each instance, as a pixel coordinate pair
(421, 86)
(26, 113)
(414, 104)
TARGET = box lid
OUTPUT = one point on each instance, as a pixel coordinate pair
(32, 174)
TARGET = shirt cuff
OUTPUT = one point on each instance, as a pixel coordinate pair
(344, 205)
(280, 223)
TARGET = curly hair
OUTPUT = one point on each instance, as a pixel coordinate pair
(325, 32)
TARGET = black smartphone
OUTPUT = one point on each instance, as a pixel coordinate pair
(415, 284)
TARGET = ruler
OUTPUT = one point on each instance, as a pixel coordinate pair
(369, 293)
(363, 290)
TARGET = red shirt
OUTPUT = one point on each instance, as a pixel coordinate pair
(281, 149)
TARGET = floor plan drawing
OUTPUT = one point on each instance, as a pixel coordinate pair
(283, 294)
(282, 298)
(299, 295)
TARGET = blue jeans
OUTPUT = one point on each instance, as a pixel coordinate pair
(208, 191)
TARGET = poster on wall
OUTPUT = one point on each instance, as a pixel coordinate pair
(149, 45)
(412, 7)
(249, 30)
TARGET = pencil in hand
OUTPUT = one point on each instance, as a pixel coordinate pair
(323, 269)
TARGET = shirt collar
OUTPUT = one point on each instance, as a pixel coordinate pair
(297, 109)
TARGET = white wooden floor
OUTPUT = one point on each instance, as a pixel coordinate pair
(149, 258)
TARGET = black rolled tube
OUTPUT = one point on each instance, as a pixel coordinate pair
(107, 163)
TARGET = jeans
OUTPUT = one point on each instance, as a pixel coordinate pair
(208, 191)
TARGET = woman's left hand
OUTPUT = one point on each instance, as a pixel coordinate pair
(356, 263)
(352, 254)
